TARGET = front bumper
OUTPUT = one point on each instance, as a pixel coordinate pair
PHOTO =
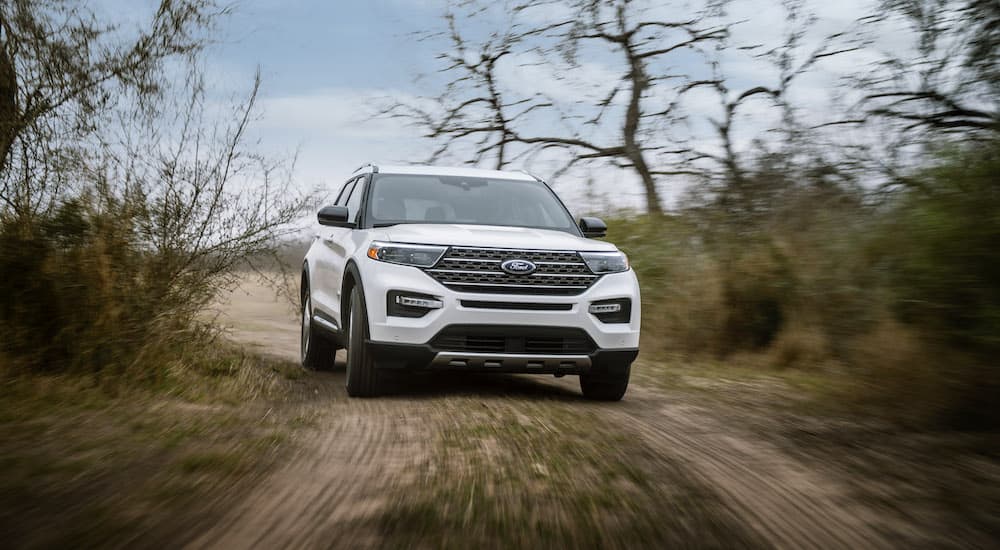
(379, 278)
(424, 357)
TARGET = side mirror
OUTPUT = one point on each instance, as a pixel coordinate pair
(335, 216)
(593, 227)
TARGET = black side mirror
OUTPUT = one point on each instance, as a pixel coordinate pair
(335, 216)
(593, 227)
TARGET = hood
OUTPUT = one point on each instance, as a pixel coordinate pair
(489, 236)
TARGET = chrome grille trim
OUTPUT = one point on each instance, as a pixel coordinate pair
(571, 275)
(522, 286)
(471, 269)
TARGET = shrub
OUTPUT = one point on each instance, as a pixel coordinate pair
(945, 259)
(758, 285)
(681, 283)
(941, 242)
(80, 294)
(901, 294)
(116, 268)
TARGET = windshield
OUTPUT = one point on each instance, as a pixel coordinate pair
(454, 199)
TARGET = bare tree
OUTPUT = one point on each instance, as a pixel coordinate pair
(952, 84)
(643, 41)
(473, 105)
(204, 202)
(129, 201)
(639, 120)
(61, 68)
(788, 62)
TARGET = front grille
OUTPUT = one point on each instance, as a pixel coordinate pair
(513, 339)
(478, 270)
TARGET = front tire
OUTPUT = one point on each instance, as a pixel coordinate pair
(362, 375)
(317, 351)
(605, 387)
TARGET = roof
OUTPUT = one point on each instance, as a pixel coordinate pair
(425, 170)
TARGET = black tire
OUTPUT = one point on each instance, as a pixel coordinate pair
(316, 349)
(605, 387)
(362, 374)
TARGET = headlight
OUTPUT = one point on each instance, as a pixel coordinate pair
(605, 262)
(419, 255)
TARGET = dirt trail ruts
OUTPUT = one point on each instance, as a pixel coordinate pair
(355, 454)
(787, 503)
(361, 449)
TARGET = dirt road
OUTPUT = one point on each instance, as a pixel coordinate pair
(361, 454)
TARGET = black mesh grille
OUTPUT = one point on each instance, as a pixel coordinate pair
(525, 340)
(478, 270)
(524, 306)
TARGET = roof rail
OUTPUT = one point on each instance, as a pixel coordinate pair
(366, 165)
(523, 171)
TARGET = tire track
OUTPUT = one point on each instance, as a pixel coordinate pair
(787, 503)
(322, 495)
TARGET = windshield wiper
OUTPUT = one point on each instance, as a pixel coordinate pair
(386, 224)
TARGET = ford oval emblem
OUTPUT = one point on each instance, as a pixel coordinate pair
(518, 267)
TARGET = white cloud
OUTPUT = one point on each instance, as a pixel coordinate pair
(346, 112)
(334, 132)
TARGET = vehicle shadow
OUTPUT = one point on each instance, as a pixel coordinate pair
(430, 384)
(434, 384)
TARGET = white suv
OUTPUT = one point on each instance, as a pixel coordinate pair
(466, 270)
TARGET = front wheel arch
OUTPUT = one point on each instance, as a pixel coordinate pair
(303, 283)
(352, 278)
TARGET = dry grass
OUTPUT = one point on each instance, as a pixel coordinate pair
(532, 474)
(107, 463)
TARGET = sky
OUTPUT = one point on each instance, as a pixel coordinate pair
(326, 65)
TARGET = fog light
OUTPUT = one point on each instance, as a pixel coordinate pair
(410, 301)
(605, 308)
(410, 304)
(618, 310)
